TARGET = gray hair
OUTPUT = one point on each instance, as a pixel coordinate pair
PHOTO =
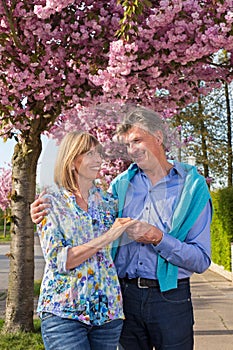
(145, 118)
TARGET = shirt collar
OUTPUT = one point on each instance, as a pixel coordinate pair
(70, 196)
(177, 169)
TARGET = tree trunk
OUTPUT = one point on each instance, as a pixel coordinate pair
(229, 140)
(204, 149)
(4, 228)
(20, 299)
(203, 133)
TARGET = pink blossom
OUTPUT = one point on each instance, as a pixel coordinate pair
(5, 188)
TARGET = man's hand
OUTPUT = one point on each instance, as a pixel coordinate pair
(144, 233)
(38, 209)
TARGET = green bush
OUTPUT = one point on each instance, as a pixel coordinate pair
(222, 227)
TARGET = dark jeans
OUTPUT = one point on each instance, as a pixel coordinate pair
(155, 319)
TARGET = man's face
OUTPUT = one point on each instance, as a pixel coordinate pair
(143, 147)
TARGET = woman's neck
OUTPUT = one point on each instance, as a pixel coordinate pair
(82, 192)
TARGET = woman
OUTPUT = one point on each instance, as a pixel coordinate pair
(80, 303)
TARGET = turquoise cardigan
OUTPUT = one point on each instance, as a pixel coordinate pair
(194, 197)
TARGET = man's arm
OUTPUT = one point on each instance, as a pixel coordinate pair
(193, 254)
(39, 208)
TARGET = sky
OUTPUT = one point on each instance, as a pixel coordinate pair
(6, 152)
(45, 162)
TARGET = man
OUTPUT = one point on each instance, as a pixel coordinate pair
(170, 241)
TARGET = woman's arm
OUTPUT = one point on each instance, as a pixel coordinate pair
(77, 255)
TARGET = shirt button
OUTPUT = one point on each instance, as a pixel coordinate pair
(143, 244)
(140, 263)
(147, 208)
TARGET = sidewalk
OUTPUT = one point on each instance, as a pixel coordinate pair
(212, 297)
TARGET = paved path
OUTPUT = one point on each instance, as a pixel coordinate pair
(4, 263)
(212, 297)
(4, 268)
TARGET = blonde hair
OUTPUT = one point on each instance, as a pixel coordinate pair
(72, 145)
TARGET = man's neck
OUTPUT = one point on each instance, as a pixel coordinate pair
(158, 172)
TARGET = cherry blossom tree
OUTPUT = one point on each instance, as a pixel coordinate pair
(57, 58)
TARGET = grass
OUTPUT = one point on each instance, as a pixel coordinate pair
(8, 236)
(37, 287)
(22, 340)
(4, 239)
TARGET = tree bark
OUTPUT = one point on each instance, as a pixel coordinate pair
(203, 134)
(229, 138)
(4, 227)
(20, 299)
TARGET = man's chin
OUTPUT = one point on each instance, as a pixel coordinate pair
(140, 163)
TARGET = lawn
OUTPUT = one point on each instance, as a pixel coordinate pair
(2, 238)
(22, 340)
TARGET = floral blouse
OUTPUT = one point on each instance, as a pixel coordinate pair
(90, 292)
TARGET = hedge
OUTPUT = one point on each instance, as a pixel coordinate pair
(222, 227)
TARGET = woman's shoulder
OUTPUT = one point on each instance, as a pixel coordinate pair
(106, 198)
(103, 193)
(59, 196)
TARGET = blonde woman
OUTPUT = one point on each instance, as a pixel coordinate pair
(80, 302)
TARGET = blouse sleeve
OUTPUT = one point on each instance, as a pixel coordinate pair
(53, 243)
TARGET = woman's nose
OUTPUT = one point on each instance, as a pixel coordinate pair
(98, 157)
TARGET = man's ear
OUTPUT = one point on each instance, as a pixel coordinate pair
(159, 136)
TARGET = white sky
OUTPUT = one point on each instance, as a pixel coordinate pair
(45, 162)
(6, 152)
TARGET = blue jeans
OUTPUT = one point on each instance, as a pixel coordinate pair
(163, 320)
(66, 334)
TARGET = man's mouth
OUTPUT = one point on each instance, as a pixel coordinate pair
(138, 157)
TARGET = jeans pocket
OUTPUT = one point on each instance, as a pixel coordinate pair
(178, 296)
(124, 287)
(46, 315)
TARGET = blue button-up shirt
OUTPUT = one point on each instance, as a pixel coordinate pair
(155, 205)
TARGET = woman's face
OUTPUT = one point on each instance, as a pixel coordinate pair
(88, 164)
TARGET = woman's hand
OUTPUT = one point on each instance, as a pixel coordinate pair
(119, 226)
(77, 255)
(38, 209)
